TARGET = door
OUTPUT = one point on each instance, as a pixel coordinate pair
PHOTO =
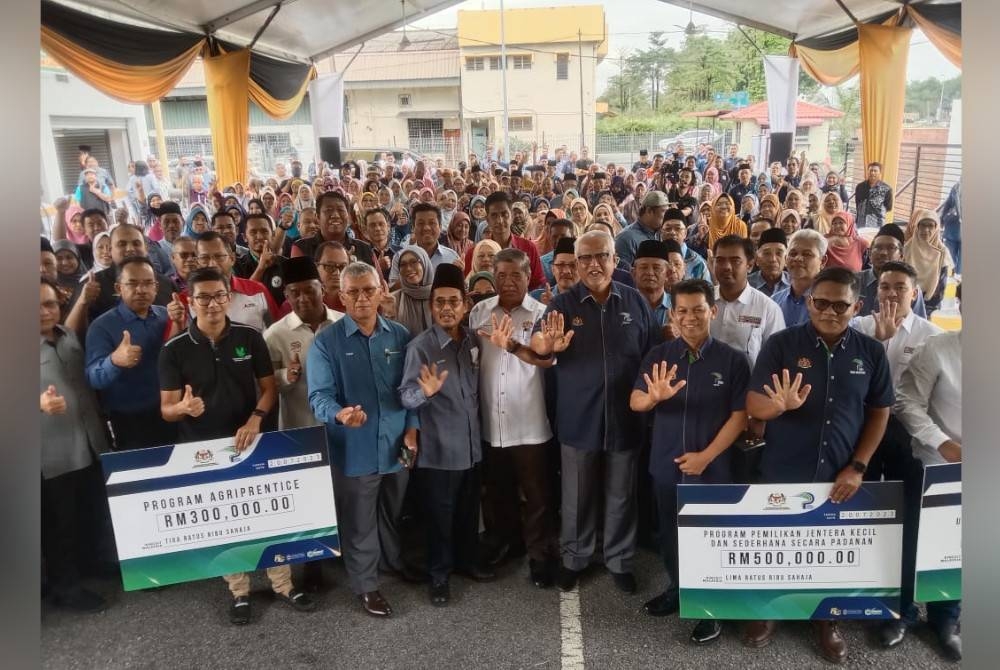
(68, 141)
(480, 137)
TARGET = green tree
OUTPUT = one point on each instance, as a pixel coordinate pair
(931, 98)
(702, 68)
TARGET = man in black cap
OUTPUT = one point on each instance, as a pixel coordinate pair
(643, 162)
(651, 212)
(598, 182)
(172, 223)
(568, 182)
(770, 275)
(887, 245)
(441, 383)
(650, 272)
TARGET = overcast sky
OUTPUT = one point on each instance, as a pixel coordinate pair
(630, 21)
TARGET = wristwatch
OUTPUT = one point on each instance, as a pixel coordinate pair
(259, 413)
(860, 467)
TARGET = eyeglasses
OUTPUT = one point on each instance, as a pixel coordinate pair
(205, 299)
(839, 307)
(563, 266)
(205, 259)
(355, 293)
(333, 267)
(133, 285)
(587, 259)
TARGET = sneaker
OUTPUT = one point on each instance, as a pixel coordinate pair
(239, 611)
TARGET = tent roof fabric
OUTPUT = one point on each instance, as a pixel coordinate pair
(806, 113)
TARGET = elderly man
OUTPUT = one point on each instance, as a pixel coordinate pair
(770, 275)
(172, 223)
(825, 391)
(887, 245)
(675, 228)
(650, 271)
(806, 257)
(515, 425)
(613, 329)
(651, 213)
(355, 367)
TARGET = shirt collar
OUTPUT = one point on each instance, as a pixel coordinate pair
(195, 333)
(443, 338)
(583, 292)
(127, 315)
(813, 335)
(907, 323)
(351, 325)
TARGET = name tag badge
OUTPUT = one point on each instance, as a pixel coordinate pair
(753, 321)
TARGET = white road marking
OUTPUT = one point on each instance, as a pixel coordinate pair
(571, 629)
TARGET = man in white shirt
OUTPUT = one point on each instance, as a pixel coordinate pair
(929, 405)
(515, 425)
(746, 317)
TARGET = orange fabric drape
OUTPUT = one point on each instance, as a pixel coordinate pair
(280, 109)
(828, 67)
(128, 83)
(226, 90)
(884, 51)
(947, 42)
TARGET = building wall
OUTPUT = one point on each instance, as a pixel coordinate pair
(816, 148)
(376, 119)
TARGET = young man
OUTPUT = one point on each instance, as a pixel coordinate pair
(216, 380)
(498, 217)
(354, 368)
(563, 271)
(696, 419)
(250, 302)
(441, 384)
(555, 229)
(872, 198)
(334, 225)
(675, 228)
(426, 218)
(825, 391)
(887, 245)
(261, 264)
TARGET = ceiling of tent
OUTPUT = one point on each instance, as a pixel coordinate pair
(796, 19)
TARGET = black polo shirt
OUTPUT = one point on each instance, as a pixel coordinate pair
(271, 278)
(109, 297)
(816, 441)
(224, 374)
(361, 251)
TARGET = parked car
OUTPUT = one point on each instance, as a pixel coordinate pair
(690, 138)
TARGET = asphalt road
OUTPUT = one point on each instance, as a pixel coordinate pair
(503, 624)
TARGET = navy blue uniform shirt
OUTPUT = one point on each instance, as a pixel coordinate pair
(594, 375)
(816, 441)
(717, 378)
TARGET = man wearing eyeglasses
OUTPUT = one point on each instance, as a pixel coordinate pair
(600, 330)
(355, 367)
(122, 350)
(217, 381)
(887, 246)
(806, 257)
(825, 391)
(250, 302)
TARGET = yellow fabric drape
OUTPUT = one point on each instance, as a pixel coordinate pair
(128, 83)
(884, 51)
(947, 42)
(226, 90)
(280, 109)
(828, 67)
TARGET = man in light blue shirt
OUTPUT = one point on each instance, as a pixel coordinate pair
(651, 213)
(806, 257)
(674, 228)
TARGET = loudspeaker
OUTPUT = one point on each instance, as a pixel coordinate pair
(329, 151)
(781, 148)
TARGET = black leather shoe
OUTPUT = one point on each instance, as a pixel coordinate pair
(440, 593)
(477, 573)
(409, 574)
(706, 631)
(951, 642)
(312, 577)
(375, 604)
(664, 604)
(625, 582)
(239, 611)
(80, 599)
(892, 633)
(496, 555)
(567, 578)
(297, 600)
(541, 573)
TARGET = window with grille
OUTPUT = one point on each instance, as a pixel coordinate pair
(426, 135)
(562, 66)
(494, 62)
(519, 123)
(404, 100)
(474, 64)
(802, 133)
(520, 62)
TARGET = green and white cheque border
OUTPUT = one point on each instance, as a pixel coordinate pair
(939, 540)
(784, 551)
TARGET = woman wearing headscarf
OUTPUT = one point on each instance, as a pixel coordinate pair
(712, 179)
(519, 218)
(928, 255)
(102, 253)
(197, 221)
(618, 189)
(845, 248)
(632, 204)
(303, 198)
(413, 298)
(604, 213)
(829, 205)
(477, 216)
(579, 214)
(724, 220)
(697, 234)
(748, 208)
(769, 207)
(789, 221)
(482, 257)
(795, 200)
(458, 231)
(70, 268)
(536, 223)
(74, 224)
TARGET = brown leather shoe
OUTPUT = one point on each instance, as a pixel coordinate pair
(758, 633)
(375, 604)
(832, 645)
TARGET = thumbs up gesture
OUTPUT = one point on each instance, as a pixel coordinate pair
(190, 404)
(52, 403)
(91, 290)
(127, 355)
(546, 296)
(176, 311)
(294, 369)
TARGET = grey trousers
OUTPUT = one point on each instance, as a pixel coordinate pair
(368, 510)
(584, 475)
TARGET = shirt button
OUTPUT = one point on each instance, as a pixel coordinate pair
(822, 461)
(829, 399)
(828, 423)
(831, 377)
(824, 444)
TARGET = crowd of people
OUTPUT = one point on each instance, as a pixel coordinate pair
(542, 348)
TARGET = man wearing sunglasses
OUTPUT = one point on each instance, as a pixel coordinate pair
(825, 391)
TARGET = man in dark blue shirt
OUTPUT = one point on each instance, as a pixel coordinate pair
(123, 352)
(826, 392)
(613, 328)
(695, 420)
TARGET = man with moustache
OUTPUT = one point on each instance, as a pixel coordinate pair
(770, 275)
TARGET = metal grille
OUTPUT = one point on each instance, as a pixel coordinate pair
(68, 143)
(519, 123)
(474, 64)
(562, 66)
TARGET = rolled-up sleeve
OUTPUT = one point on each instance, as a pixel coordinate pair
(913, 398)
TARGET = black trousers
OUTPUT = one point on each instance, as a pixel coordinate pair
(666, 512)
(509, 473)
(137, 430)
(451, 504)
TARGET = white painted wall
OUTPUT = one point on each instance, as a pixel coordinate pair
(374, 113)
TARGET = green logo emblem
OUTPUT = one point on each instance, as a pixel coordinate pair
(241, 352)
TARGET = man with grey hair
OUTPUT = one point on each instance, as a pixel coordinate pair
(806, 257)
(600, 330)
(353, 370)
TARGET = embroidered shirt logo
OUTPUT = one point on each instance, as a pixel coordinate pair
(805, 363)
(626, 318)
(859, 367)
(717, 379)
(240, 354)
(577, 321)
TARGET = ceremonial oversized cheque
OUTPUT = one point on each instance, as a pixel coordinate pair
(784, 551)
(198, 510)
(939, 541)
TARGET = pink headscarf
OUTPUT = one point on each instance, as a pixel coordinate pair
(714, 183)
(76, 238)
